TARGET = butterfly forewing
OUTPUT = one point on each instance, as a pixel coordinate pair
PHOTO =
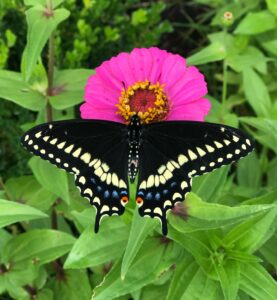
(174, 152)
(94, 151)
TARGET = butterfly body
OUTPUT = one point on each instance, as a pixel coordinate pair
(134, 136)
(164, 155)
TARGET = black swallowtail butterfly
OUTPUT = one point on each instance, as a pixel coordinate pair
(165, 155)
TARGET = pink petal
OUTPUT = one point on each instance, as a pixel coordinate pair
(91, 112)
(105, 74)
(159, 56)
(196, 111)
(174, 69)
(121, 69)
(97, 91)
(191, 87)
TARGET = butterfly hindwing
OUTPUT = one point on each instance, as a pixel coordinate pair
(174, 152)
(159, 190)
(93, 151)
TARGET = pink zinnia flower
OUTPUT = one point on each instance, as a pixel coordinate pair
(153, 83)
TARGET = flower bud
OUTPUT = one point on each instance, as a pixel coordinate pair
(227, 19)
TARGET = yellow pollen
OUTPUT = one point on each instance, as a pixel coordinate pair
(148, 101)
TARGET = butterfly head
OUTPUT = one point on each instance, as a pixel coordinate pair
(135, 120)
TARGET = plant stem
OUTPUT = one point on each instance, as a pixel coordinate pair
(225, 75)
(49, 116)
(50, 75)
(51, 63)
(49, 112)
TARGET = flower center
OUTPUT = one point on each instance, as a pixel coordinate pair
(148, 101)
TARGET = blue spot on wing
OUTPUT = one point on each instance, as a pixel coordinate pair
(148, 196)
(92, 180)
(115, 195)
(173, 184)
(106, 194)
(158, 196)
(165, 192)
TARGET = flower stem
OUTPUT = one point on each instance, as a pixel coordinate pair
(225, 78)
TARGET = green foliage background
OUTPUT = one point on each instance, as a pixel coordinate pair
(222, 243)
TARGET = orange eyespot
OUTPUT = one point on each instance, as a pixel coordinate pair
(139, 200)
(124, 200)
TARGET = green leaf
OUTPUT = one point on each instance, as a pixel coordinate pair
(14, 89)
(27, 189)
(250, 57)
(211, 53)
(74, 285)
(17, 275)
(4, 237)
(249, 171)
(253, 233)
(242, 256)
(256, 92)
(229, 277)
(196, 244)
(209, 186)
(152, 291)
(83, 219)
(182, 277)
(54, 3)
(11, 38)
(272, 6)
(256, 22)
(139, 17)
(257, 283)
(272, 173)
(267, 127)
(209, 211)
(140, 229)
(41, 23)
(12, 212)
(190, 282)
(267, 198)
(138, 275)
(50, 177)
(45, 294)
(69, 87)
(37, 246)
(269, 251)
(203, 215)
(271, 46)
(92, 249)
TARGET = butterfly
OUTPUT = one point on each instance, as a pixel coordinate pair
(165, 155)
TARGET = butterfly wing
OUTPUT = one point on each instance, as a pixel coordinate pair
(181, 150)
(94, 151)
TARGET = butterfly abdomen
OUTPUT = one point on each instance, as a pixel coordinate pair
(134, 133)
